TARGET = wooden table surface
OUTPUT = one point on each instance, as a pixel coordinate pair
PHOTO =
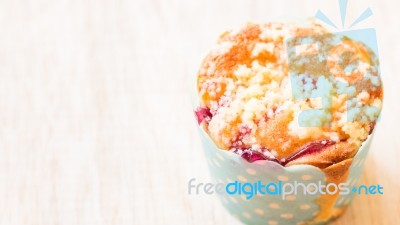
(96, 123)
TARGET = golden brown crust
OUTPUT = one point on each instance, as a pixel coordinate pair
(329, 156)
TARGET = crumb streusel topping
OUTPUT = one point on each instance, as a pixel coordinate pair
(248, 99)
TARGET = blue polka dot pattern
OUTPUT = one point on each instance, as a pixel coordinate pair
(227, 167)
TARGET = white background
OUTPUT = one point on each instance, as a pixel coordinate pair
(96, 123)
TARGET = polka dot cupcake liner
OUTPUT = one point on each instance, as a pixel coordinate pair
(227, 167)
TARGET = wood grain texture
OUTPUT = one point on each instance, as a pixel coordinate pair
(96, 110)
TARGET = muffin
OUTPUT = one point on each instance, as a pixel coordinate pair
(293, 95)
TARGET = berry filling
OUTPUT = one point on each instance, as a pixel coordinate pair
(202, 114)
(308, 150)
(252, 155)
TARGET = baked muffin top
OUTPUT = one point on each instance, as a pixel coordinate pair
(286, 90)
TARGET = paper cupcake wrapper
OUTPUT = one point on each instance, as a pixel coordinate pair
(226, 167)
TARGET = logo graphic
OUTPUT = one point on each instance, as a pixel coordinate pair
(284, 189)
(332, 65)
